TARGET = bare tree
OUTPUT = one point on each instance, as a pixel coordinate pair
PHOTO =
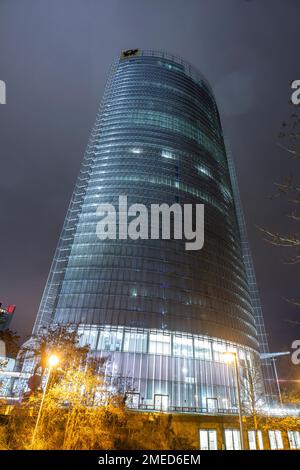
(289, 188)
(64, 340)
(253, 394)
(258, 416)
(81, 413)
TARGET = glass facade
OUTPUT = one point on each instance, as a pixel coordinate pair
(188, 372)
(161, 315)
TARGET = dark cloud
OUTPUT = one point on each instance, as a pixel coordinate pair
(54, 58)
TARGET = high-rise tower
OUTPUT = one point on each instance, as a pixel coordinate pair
(161, 315)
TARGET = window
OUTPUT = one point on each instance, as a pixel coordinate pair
(208, 439)
(110, 340)
(275, 439)
(252, 440)
(218, 351)
(134, 292)
(202, 349)
(136, 150)
(88, 337)
(168, 154)
(132, 399)
(176, 124)
(182, 347)
(294, 439)
(135, 342)
(211, 404)
(204, 170)
(159, 343)
(161, 402)
(232, 439)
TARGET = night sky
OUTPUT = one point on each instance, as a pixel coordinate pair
(55, 56)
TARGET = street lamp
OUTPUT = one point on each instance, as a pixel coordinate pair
(232, 357)
(53, 360)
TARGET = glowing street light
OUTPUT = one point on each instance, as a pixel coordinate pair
(229, 357)
(52, 361)
(232, 358)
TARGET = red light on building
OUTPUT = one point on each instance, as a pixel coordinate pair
(10, 309)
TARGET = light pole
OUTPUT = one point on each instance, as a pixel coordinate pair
(231, 357)
(277, 381)
(53, 360)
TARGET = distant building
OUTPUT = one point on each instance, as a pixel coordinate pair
(7, 375)
(6, 314)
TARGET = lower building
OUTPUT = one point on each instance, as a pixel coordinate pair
(208, 432)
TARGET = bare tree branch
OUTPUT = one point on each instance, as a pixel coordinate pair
(292, 260)
(294, 215)
(294, 302)
(286, 241)
(296, 154)
(293, 322)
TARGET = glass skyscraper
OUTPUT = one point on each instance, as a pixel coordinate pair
(162, 316)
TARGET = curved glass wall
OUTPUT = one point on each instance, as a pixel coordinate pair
(157, 139)
(170, 371)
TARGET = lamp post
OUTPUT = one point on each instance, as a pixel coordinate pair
(53, 360)
(277, 381)
(232, 357)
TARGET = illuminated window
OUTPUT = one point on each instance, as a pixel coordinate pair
(176, 124)
(242, 355)
(161, 402)
(134, 292)
(136, 150)
(204, 170)
(218, 351)
(294, 439)
(110, 340)
(275, 439)
(232, 439)
(211, 404)
(252, 440)
(208, 439)
(202, 349)
(88, 338)
(182, 347)
(225, 193)
(132, 399)
(159, 343)
(168, 154)
(135, 342)
(224, 403)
